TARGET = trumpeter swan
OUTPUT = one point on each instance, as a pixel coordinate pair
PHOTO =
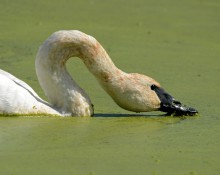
(131, 91)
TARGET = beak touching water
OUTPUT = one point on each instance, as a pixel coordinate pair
(170, 105)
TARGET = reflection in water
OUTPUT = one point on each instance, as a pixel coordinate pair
(127, 115)
(147, 117)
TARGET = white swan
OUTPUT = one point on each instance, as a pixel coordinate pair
(133, 92)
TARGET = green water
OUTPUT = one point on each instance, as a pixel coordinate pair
(176, 42)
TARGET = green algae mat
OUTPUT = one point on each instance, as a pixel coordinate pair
(175, 42)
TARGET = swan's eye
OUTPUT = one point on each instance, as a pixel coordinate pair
(153, 86)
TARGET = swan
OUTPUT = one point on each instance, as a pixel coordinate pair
(131, 91)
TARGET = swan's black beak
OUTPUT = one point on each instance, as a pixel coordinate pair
(172, 106)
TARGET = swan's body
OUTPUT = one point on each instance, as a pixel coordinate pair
(16, 97)
(130, 91)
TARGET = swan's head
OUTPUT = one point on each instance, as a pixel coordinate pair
(132, 91)
(148, 95)
(140, 93)
(141, 98)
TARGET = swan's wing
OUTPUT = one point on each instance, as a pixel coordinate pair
(16, 97)
(19, 82)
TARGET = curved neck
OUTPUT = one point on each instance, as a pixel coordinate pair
(61, 90)
(87, 48)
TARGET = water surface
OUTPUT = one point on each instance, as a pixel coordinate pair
(177, 43)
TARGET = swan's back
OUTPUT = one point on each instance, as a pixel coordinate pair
(19, 82)
(16, 97)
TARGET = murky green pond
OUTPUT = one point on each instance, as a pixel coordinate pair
(177, 43)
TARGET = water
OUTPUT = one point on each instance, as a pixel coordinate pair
(99, 145)
(177, 43)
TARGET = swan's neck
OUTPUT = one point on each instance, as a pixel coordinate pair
(62, 91)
